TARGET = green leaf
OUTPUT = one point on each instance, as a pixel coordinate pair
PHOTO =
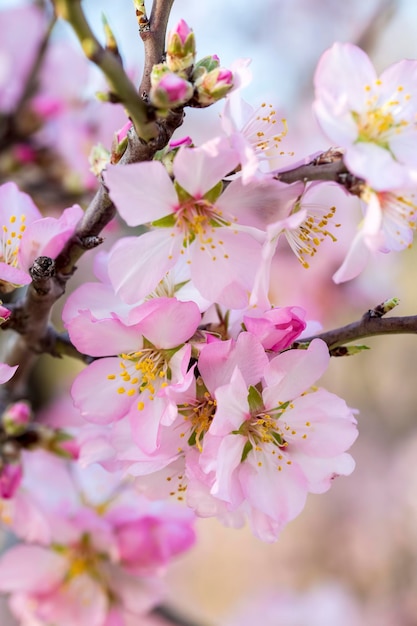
(247, 448)
(280, 441)
(255, 401)
(165, 222)
(214, 192)
(183, 196)
(192, 439)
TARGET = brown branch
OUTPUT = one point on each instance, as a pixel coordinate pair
(327, 166)
(372, 323)
(120, 84)
(153, 37)
(30, 316)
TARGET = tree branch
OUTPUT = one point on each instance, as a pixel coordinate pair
(153, 37)
(326, 166)
(119, 83)
(371, 324)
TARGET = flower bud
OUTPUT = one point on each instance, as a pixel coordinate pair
(168, 90)
(16, 417)
(10, 479)
(180, 47)
(212, 85)
(208, 63)
(167, 154)
(120, 142)
(4, 314)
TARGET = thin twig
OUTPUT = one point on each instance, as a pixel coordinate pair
(154, 40)
(120, 84)
(367, 326)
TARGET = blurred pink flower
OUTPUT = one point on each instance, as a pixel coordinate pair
(371, 117)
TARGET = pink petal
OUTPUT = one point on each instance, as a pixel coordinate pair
(137, 264)
(48, 236)
(31, 568)
(14, 275)
(199, 169)
(102, 337)
(292, 372)
(96, 396)
(142, 192)
(167, 322)
(6, 372)
(225, 274)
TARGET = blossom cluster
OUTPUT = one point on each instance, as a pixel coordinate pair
(199, 387)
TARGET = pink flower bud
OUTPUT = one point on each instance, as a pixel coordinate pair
(184, 141)
(16, 417)
(170, 91)
(122, 132)
(182, 29)
(10, 478)
(4, 314)
(180, 48)
(152, 541)
(212, 85)
(278, 328)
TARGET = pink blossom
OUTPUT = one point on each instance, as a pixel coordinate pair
(17, 211)
(216, 234)
(170, 90)
(277, 328)
(389, 222)
(253, 133)
(26, 235)
(267, 451)
(10, 479)
(371, 117)
(105, 546)
(152, 356)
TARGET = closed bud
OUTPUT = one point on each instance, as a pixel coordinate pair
(168, 90)
(4, 314)
(212, 86)
(16, 417)
(167, 154)
(10, 479)
(206, 64)
(120, 142)
(180, 48)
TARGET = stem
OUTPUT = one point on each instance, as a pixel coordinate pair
(154, 41)
(118, 81)
(327, 166)
(172, 617)
(368, 326)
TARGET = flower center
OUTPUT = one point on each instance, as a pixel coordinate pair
(146, 370)
(197, 219)
(379, 122)
(12, 235)
(261, 129)
(305, 239)
(199, 415)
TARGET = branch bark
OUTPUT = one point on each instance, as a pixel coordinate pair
(153, 38)
(119, 82)
(372, 323)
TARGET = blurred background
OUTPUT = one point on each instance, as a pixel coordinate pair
(350, 559)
